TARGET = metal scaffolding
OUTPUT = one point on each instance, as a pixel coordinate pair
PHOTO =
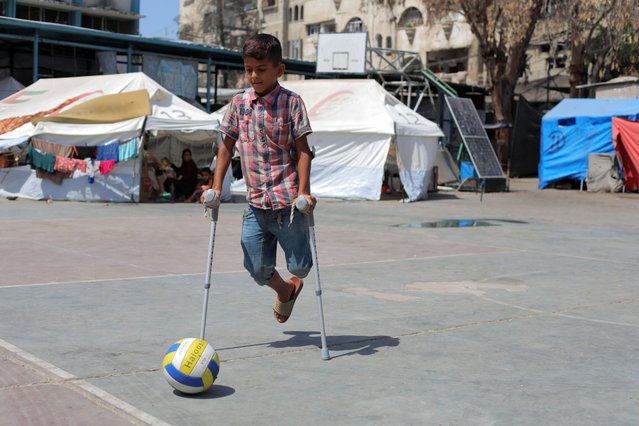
(403, 74)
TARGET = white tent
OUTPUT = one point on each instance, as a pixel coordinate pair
(169, 115)
(9, 86)
(354, 122)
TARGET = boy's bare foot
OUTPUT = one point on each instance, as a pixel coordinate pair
(282, 309)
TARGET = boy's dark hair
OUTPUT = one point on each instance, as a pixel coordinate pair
(260, 46)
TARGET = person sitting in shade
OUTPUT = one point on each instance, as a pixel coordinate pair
(186, 178)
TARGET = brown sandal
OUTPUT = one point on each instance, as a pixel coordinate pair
(286, 308)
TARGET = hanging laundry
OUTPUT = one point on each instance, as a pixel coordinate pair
(106, 166)
(55, 177)
(93, 167)
(80, 165)
(83, 152)
(108, 152)
(128, 150)
(64, 165)
(40, 160)
(51, 148)
(68, 165)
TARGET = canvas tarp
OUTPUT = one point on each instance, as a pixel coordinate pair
(169, 116)
(625, 136)
(105, 109)
(169, 113)
(524, 149)
(354, 122)
(603, 173)
(575, 128)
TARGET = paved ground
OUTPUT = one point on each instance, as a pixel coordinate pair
(532, 320)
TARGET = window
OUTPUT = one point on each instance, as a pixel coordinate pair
(269, 3)
(301, 12)
(411, 18)
(290, 14)
(389, 42)
(448, 61)
(34, 13)
(379, 40)
(556, 62)
(355, 25)
(296, 13)
(329, 28)
(295, 49)
(57, 16)
(313, 29)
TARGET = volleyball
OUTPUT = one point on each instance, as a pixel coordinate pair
(191, 365)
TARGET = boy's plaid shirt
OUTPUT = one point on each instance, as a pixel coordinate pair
(265, 129)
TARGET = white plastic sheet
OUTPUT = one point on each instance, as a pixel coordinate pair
(416, 158)
(121, 185)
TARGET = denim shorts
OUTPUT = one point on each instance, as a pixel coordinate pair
(262, 230)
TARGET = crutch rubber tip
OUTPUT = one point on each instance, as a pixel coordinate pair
(325, 354)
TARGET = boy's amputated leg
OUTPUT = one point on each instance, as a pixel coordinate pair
(287, 292)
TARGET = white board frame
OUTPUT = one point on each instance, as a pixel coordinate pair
(341, 53)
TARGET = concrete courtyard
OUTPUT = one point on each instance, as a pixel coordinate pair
(520, 309)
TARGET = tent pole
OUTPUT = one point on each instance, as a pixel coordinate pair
(141, 166)
(208, 84)
(217, 70)
(36, 54)
(129, 59)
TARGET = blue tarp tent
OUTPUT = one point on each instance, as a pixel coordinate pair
(575, 128)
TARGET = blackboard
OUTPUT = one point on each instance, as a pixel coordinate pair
(475, 138)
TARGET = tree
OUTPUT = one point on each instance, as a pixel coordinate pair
(599, 32)
(223, 23)
(503, 29)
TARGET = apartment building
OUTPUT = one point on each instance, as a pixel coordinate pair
(117, 16)
(447, 47)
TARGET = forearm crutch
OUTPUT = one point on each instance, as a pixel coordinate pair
(302, 205)
(212, 205)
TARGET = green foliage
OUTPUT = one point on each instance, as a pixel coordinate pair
(629, 58)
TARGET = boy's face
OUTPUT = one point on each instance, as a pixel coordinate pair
(262, 74)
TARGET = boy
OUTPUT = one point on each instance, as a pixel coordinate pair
(269, 125)
(203, 180)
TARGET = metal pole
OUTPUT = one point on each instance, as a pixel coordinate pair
(207, 279)
(129, 59)
(36, 56)
(215, 83)
(211, 204)
(11, 8)
(208, 84)
(318, 288)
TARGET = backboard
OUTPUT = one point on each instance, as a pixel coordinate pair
(341, 53)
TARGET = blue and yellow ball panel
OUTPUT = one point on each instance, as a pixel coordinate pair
(191, 365)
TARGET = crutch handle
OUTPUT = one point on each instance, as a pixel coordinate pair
(303, 206)
(212, 202)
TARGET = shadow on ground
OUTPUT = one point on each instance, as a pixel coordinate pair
(352, 344)
(214, 392)
(360, 345)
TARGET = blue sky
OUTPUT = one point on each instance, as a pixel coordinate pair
(159, 18)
